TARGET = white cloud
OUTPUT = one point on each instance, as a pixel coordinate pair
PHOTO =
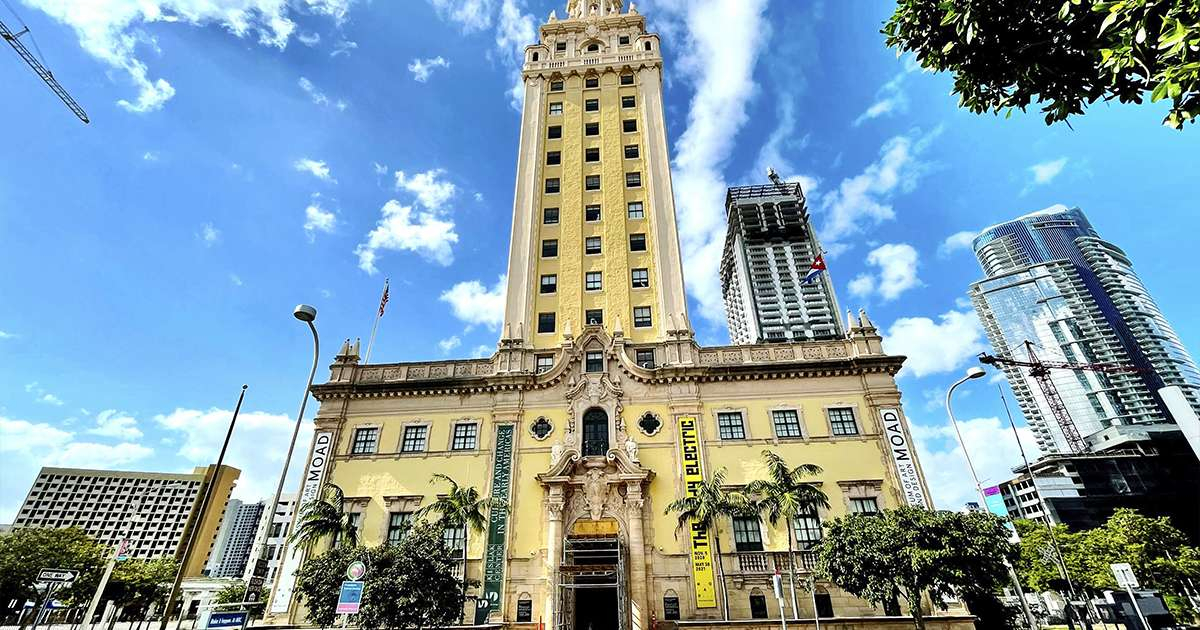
(309, 39)
(7, 335)
(956, 242)
(150, 156)
(865, 199)
(401, 229)
(209, 235)
(422, 69)
(41, 395)
(448, 344)
(890, 99)
(116, 424)
(935, 347)
(431, 190)
(471, 15)
(258, 447)
(380, 169)
(897, 272)
(475, 304)
(113, 30)
(478, 196)
(514, 31)
(483, 351)
(235, 280)
(317, 219)
(320, 98)
(316, 168)
(723, 81)
(100, 456)
(1045, 172)
(993, 450)
(24, 437)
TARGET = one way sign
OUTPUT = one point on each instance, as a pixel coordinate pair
(58, 575)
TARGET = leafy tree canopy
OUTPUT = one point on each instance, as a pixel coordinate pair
(235, 591)
(902, 553)
(1060, 54)
(409, 584)
(135, 584)
(26, 551)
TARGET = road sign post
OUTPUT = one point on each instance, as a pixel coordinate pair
(54, 579)
(225, 620)
(777, 583)
(1127, 580)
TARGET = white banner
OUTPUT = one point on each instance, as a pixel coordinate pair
(903, 455)
(317, 463)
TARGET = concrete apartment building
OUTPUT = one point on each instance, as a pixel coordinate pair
(276, 533)
(770, 246)
(152, 511)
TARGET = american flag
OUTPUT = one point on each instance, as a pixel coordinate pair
(383, 300)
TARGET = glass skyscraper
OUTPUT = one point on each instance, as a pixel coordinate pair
(1052, 281)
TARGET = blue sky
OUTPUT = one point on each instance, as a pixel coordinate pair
(240, 163)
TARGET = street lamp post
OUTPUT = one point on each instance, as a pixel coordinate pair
(974, 373)
(306, 314)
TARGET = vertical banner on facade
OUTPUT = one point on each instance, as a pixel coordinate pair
(318, 461)
(693, 475)
(903, 456)
(493, 559)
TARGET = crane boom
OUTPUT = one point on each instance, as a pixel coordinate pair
(1040, 371)
(42, 71)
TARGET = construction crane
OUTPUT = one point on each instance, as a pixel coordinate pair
(1040, 371)
(14, 40)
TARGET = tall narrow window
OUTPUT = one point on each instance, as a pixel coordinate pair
(641, 317)
(787, 423)
(808, 528)
(841, 421)
(397, 524)
(545, 322)
(758, 606)
(595, 432)
(365, 440)
(594, 361)
(549, 283)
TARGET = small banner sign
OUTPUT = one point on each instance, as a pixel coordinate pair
(903, 457)
(493, 567)
(350, 598)
(227, 620)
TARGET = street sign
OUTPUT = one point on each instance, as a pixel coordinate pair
(58, 575)
(356, 570)
(1124, 574)
(350, 598)
(256, 583)
(260, 567)
(777, 584)
(227, 619)
(252, 596)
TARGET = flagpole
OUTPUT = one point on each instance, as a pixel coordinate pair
(375, 326)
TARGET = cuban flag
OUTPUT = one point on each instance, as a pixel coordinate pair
(818, 266)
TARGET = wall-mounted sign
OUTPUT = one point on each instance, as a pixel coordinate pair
(903, 455)
(493, 562)
(350, 598)
(693, 475)
(318, 462)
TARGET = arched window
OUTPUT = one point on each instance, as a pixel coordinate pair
(535, 56)
(648, 46)
(595, 432)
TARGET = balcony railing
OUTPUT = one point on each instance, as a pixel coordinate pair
(766, 562)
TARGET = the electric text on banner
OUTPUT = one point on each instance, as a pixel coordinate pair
(693, 475)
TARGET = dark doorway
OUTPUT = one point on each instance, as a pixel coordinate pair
(824, 605)
(595, 432)
(596, 605)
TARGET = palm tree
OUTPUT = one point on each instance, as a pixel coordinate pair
(711, 502)
(461, 508)
(326, 516)
(785, 495)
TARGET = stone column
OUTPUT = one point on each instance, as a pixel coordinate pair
(554, 537)
(639, 607)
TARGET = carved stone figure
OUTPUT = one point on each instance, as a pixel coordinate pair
(595, 490)
(631, 449)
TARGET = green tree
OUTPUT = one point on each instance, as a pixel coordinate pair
(323, 517)
(233, 593)
(409, 584)
(1037, 565)
(1060, 54)
(906, 552)
(463, 509)
(135, 584)
(712, 503)
(26, 551)
(785, 494)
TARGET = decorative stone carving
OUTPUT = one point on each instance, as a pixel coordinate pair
(556, 452)
(540, 429)
(631, 449)
(813, 352)
(649, 423)
(595, 489)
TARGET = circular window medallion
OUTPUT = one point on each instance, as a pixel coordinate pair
(540, 429)
(649, 423)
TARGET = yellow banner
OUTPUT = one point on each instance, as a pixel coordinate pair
(693, 475)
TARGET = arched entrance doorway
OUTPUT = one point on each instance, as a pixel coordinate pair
(593, 586)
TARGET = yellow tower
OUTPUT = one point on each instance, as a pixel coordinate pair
(594, 239)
